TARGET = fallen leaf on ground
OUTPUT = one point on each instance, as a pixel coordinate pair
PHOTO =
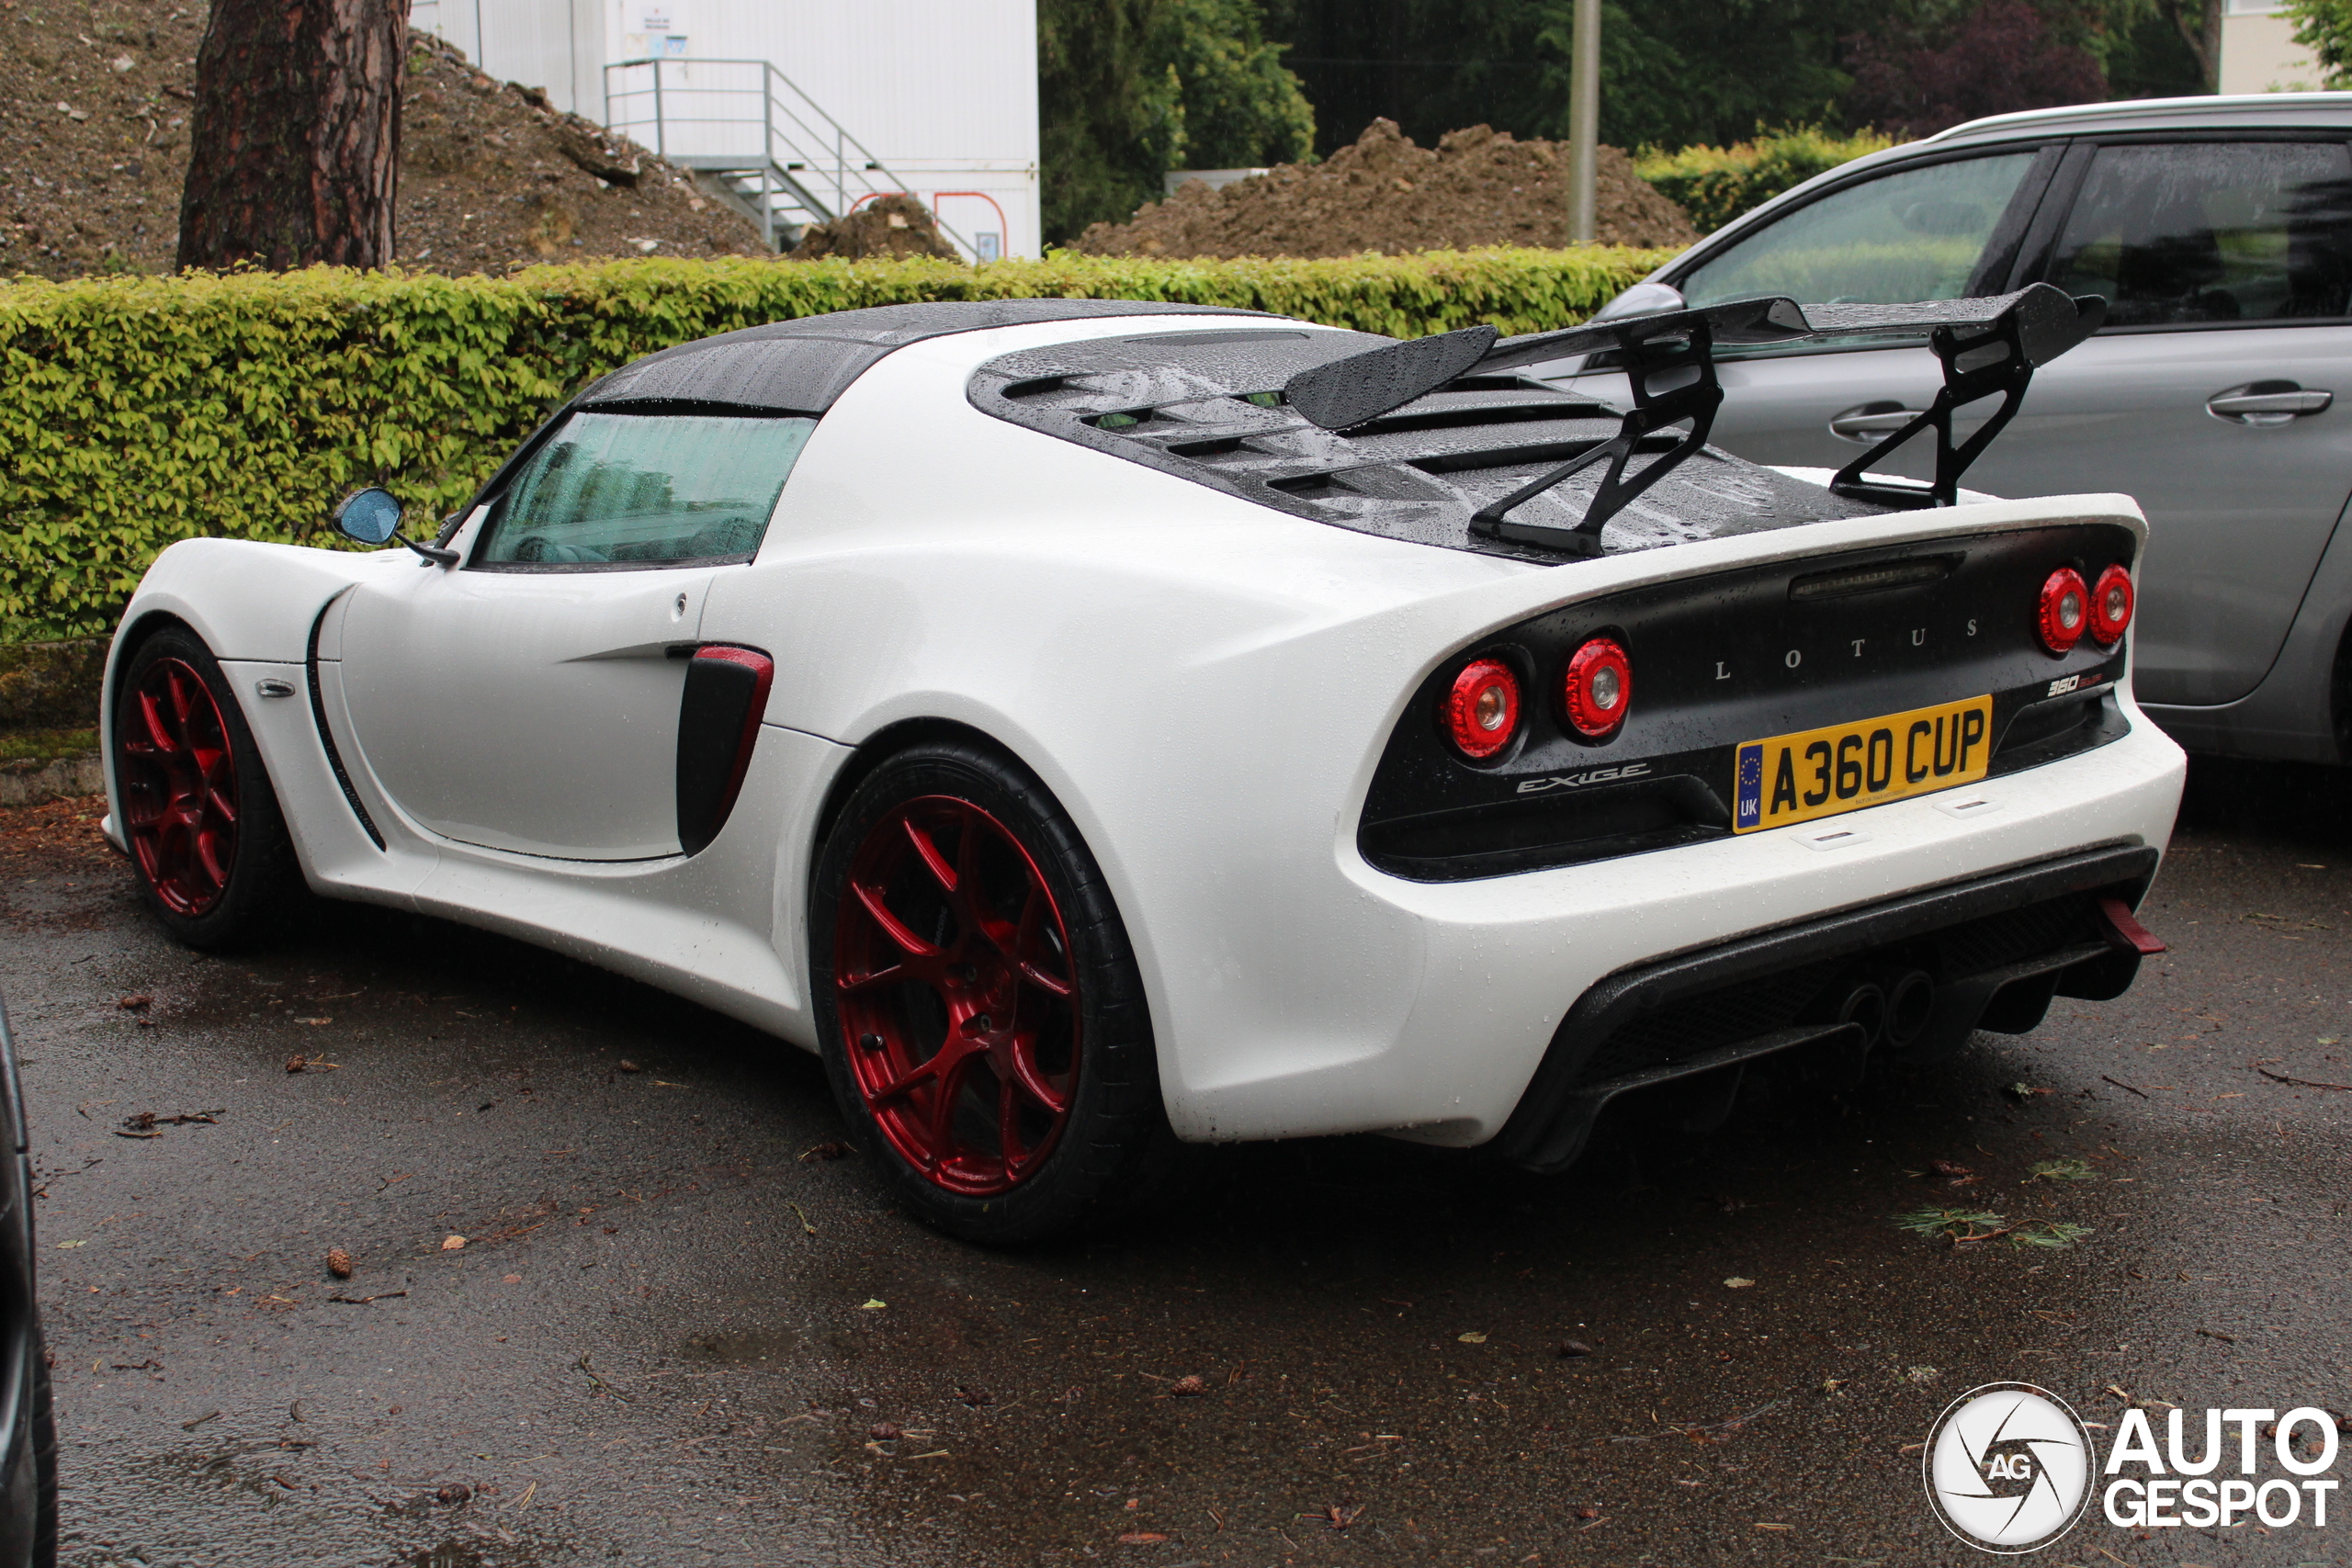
(628, 1067)
(1574, 1348)
(1141, 1537)
(873, 1303)
(1472, 1337)
(1736, 1283)
(453, 1244)
(140, 1004)
(824, 1151)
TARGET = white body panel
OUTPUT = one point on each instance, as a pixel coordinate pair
(525, 712)
(1206, 686)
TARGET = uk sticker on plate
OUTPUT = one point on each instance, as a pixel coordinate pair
(1820, 773)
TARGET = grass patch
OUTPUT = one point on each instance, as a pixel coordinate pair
(46, 744)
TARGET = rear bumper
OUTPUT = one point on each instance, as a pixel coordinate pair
(1428, 1009)
(1992, 950)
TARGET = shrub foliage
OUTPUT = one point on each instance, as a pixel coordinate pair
(1716, 184)
(142, 410)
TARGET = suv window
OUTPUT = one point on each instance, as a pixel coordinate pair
(1915, 233)
(627, 489)
(2212, 232)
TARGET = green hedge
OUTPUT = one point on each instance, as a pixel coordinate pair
(142, 410)
(1716, 184)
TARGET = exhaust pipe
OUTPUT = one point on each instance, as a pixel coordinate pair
(1865, 1005)
(1910, 1004)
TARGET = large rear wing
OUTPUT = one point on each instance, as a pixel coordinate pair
(1989, 345)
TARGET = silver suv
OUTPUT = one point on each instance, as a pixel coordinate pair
(2220, 231)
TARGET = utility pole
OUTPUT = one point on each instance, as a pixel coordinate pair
(1584, 122)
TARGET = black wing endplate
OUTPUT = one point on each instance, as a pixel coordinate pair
(1987, 345)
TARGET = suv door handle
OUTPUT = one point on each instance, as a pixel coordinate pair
(2267, 402)
(1867, 423)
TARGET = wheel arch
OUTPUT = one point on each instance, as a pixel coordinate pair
(879, 748)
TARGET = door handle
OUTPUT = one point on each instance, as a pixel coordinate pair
(1866, 423)
(2267, 402)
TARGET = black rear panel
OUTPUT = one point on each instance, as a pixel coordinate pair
(1735, 657)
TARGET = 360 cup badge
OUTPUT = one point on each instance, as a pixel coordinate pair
(2009, 1468)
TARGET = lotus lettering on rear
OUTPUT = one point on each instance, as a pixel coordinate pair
(1576, 781)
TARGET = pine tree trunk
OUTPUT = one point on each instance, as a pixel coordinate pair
(295, 145)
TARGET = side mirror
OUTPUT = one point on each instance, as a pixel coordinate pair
(372, 516)
(1641, 300)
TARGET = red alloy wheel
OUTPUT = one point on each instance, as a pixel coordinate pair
(179, 777)
(959, 1009)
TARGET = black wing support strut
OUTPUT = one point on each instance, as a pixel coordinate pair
(1648, 361)
(1986, 345)
(1980, 357)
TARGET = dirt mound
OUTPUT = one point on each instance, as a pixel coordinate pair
(893, 227)
(95, 97)
(492, 175)
(1478, 188)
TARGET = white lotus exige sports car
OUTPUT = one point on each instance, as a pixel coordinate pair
(1095, 724)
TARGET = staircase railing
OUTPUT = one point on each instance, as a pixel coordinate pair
(747, 117)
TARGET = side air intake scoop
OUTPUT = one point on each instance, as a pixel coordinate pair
(1987, 345)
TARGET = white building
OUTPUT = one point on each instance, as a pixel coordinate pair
(808, 108)
(2259, 54)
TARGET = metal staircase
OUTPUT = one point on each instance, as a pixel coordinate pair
(753, 139)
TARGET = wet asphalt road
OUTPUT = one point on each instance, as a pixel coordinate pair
(673, 1332)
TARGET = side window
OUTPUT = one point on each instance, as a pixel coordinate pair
(1916, 234)
(626, 489)
(2212, 232)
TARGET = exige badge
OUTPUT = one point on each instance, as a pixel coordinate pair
(1572, 781)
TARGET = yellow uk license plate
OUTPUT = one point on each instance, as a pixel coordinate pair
(1820, 773)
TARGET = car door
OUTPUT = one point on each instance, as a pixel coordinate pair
(529, 700)
(2210, 395)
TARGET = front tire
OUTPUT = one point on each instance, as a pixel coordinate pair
(205, 837)
(983, 1020)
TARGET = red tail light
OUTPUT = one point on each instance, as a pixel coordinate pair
(1599, 688)
(1482, 710)
(2064, 610)
(2110, 606)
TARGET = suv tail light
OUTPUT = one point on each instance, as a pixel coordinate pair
(1482, 710)
(2064, 610)
(1599, 688)
(2110, 606)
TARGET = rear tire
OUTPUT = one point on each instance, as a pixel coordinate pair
(44, 1462)
(208, 842)
(982, 1017)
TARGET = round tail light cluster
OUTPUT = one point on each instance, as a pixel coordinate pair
(2067, 608)
(2110, 606)
(1599, 688)
(1482, 709)
(2064, 610)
